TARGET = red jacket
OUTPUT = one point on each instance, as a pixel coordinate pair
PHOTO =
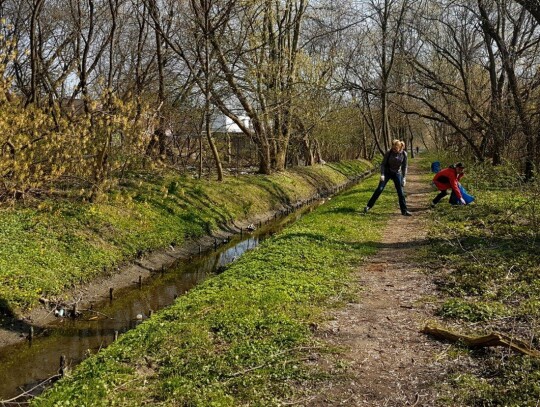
(448, 179)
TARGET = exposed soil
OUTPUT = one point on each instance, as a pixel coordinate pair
(385, 360)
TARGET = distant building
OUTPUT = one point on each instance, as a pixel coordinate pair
(73, 106)
(224, 124)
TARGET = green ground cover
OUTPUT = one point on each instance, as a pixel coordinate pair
(240, 337)
(486, 261)
(52, 245)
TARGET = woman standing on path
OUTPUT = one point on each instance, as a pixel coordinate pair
(394, 167)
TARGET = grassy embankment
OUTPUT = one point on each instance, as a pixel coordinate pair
(486, 261)
(56, 244)
(240, 337)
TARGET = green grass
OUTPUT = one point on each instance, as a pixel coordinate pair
(48, 247)
(240, 337)
(56, 244)
(489, 275)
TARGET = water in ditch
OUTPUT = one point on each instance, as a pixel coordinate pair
(25, 367)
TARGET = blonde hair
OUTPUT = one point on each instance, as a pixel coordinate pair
(396, 142)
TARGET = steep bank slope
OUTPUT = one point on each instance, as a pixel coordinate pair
(242, 337)
(56, 248)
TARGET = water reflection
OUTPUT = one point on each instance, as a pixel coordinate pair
(23, 366)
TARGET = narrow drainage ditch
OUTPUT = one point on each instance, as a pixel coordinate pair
(28, 368)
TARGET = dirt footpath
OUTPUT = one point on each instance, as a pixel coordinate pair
(386, 361)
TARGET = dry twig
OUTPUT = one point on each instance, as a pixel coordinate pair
(28, 393)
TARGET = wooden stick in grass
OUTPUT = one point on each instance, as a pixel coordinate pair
(492, 339)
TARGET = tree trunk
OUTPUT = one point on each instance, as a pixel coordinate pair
(508, 65)
(215, 153)
(34, 57)
(265, 161)
(280, 153)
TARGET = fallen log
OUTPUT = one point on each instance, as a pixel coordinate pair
(492, 339)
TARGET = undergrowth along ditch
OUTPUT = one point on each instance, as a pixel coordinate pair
(485, 258)
(241, 337)
(51, 245)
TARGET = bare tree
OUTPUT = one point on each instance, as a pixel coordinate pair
(532, 6)
(508, 54)
(256, 67)
(190, 42)
(370, 62)
(260, 71)
(450, 83)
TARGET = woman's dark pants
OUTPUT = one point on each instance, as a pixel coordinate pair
(399, 189)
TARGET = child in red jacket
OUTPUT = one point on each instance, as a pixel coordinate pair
(449, 179)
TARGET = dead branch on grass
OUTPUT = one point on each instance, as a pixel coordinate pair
(492, 339)
(28, 393)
